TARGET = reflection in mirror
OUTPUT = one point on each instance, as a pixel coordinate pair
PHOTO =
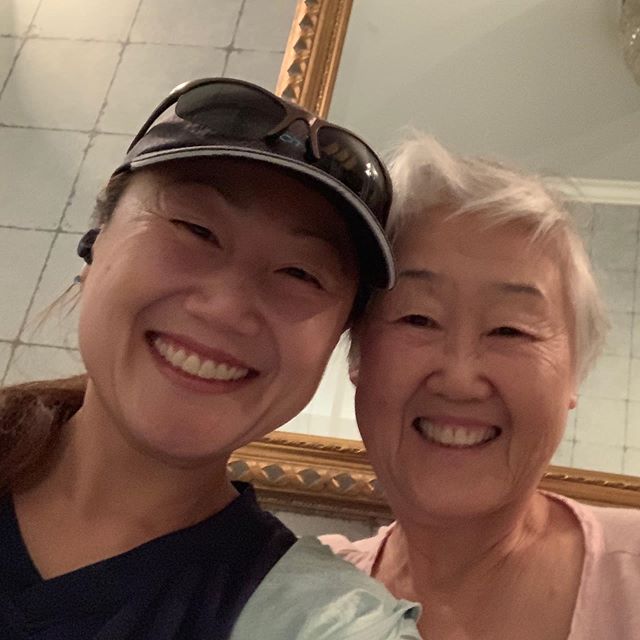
(539, 84)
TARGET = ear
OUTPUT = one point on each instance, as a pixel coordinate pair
(573, 401)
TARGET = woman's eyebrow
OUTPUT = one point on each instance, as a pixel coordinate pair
(518, 288)
(511, 288)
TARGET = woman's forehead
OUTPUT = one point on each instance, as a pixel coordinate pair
(474, 234)
(440, 251)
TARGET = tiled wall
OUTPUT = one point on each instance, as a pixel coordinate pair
(604, 430)
(78, 77)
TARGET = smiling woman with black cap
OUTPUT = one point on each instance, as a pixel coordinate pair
(233, 246)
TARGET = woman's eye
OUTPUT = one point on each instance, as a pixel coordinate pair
(416, 320)
(197, 230)
(300, 274)
(508, 332)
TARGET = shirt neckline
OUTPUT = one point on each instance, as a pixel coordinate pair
(25, 582)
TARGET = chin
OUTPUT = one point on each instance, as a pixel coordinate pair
(436, 500)
(179, 447)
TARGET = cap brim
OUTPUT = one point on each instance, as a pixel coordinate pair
(378, 250)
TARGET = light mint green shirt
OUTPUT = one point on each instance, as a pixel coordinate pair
(310, 594)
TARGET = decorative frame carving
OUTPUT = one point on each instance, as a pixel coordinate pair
(332, 477)
(312, 54)
(329, 476)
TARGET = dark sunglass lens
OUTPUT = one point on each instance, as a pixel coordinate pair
(346, 158)
(231, 110)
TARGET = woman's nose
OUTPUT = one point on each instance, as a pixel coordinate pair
(459, 371)
(229, 299)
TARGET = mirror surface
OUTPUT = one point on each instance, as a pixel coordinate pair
(538, 82)
(541, 84)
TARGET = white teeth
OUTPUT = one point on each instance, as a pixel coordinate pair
(191, 364)
(225, 372)
(177, 358)
(455, 436)
(207, 370)
(194, 365)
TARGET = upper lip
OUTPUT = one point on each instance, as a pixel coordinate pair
(189, 344)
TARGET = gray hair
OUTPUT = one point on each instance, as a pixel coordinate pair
(425, 176)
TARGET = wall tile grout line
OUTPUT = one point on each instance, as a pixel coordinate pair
(22, 343)
(16, 227)
(94, 130)
(12, 66)
(16, 341)
(231, 46)
(24, 37)
(140, 42)
(5, 125)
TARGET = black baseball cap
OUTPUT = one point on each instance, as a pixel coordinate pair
(228, 118)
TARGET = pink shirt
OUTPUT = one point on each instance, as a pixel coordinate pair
(608, 603)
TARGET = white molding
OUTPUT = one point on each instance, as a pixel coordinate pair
(598, 191)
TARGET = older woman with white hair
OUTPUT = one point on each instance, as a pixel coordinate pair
(465, 374)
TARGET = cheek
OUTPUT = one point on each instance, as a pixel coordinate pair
(389, 374)
(555, 377)
(538, 393)
(103, 329)
(113, 296)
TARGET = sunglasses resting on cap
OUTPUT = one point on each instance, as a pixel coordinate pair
(224, 117)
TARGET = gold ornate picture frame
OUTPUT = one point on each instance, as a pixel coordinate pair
(333, 477)
(312, 55)
(329, 476)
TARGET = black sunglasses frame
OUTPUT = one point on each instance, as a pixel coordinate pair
(292, 113)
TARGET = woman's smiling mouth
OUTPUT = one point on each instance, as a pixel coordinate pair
(455, 435)
(185, 360)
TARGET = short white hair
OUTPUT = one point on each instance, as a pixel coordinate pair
(426, 176)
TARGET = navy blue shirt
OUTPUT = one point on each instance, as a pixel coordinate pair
(190, 584)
